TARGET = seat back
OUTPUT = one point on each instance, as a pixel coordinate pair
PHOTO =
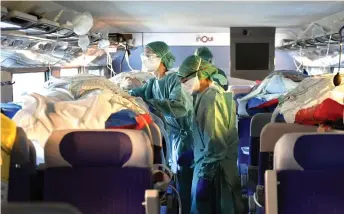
(39, 208)
(309, 168)
(240, 89)
(158, 152)
(244, 135)
(270, 134)
(22, 172)
(257, 123)
(127, 119)
(98, 171)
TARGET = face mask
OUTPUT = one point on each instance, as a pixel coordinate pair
(150, 64)
(191, 86)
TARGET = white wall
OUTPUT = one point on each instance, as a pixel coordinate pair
(183, 45)
(189, 39)
(6, 91)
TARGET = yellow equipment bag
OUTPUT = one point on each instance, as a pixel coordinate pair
(8, 136)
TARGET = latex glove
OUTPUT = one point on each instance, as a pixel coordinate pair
(186, 158)
(153, 109)
(203, 189)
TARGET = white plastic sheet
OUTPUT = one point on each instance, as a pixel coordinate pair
(131, 80)
(83, 42)
(310, 92)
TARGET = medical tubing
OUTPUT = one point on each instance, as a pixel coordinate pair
(340, 46)
(298, 67)
(148, 128)
(166, 168)
(275, 113)
(327, 52)
(199, 64)
(145, 122)
(109, 62)
(256, 201)
(121, 65)
(126, 55)
(127, 60)
(179, 200)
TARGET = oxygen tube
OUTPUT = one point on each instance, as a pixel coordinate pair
(340, 47)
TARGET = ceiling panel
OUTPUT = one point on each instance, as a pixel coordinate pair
(195, 16)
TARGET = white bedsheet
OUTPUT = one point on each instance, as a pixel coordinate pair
(41, 115)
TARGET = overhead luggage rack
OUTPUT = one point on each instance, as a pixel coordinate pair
(43, 26)
(3, 12)
(16, 20)
(322, 41)
(64, 31)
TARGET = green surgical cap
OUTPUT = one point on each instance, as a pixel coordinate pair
(203, 69)
(162, 50)
(204, 53)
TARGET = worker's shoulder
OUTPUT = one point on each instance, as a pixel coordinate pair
(172, 77)
(220, 70)
(210, 95)
(216, 94)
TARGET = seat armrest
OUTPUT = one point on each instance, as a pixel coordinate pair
(152, 202)
(271, 205)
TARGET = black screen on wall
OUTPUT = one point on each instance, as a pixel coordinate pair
(252, 56)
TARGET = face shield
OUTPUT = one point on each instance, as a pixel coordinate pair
(191, 86)
(150, 63)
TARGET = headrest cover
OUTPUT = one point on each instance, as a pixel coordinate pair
(96, 148)
(309, 151)
(121, 148)
(156, 134)
(274, 131)
(258, 122)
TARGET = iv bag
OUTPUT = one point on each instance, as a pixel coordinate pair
(82, 23)
(83, 42)
(104, 43)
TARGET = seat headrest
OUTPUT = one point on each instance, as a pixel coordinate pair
(258, 122)
(120, 148)
(274, 131)
(309, 151)
(239, 89)
(156, 134)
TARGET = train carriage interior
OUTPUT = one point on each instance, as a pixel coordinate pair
(99, 114)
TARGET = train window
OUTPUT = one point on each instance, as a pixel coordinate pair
(318, 70)
(98, 72)
(67, 72)
(25, 83)
(341, 70)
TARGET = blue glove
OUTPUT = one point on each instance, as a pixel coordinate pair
(151, 108)
(203, 190)
(186, 158)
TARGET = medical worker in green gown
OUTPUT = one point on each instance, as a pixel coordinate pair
(206, 55)
(216, 183)
(164, 93)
